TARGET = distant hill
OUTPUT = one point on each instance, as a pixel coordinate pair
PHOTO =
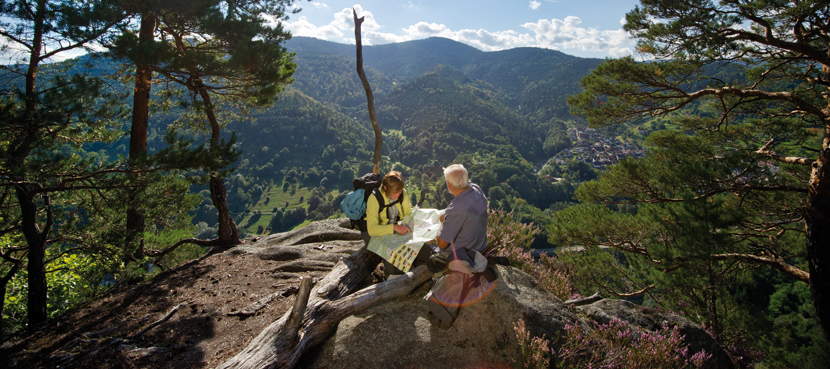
(532, 81)
(438, 101)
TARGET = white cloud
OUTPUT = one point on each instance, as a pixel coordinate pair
(424, 30)
(341, 26)
(480, 39)
(320, 5)
(344, 20)
(555, 34)
(303, 27)
(566, 34)
(535, 4)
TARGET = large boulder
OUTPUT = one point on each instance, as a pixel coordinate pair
(316, 246)
(398, 333)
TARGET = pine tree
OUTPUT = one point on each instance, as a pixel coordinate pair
(219, 59)
(783, 47)
(45, 121)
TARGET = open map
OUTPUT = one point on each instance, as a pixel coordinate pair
(401, 250)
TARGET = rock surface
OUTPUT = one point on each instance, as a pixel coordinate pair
(213, 289)
(398, 333)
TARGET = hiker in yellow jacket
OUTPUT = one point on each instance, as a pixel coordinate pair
(379, 222)
(395, 202)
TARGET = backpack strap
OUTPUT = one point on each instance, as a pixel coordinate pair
(381, 204)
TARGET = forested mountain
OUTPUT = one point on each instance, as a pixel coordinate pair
(532, 81)
(438, 102)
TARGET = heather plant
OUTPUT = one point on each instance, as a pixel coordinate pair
(554, 277)
(510, 238)
(618, 345)
(533, 351)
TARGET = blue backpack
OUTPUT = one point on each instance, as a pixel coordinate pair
(353, 204)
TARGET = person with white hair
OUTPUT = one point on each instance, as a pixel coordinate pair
(462, 238)
(465, 218)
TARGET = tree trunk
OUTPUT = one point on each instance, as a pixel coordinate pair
(280, 347)
(35, 239)
(228, 232)
(817, 220)
(134, 242)
(370, 100)
(4, 282)
(36, 267)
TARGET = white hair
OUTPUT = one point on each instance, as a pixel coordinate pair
(456, 176)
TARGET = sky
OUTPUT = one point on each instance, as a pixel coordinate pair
(584, 28)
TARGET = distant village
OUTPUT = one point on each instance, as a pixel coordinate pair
(596, 149)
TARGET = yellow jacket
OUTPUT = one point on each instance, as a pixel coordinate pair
(378, 224)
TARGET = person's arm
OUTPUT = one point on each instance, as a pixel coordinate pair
(450, 224)
(441, 243)
(373, 219)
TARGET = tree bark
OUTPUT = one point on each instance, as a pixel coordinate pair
(134, 241)
(5, 282)
(270, 350)
(36, 266)
(228, 232)
(35, 238)
(817, 223)
(370, 100)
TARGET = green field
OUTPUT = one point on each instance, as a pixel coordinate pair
(278, 199)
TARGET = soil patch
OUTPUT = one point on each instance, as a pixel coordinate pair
(200, 333)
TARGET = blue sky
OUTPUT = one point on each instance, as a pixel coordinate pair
(582, 28)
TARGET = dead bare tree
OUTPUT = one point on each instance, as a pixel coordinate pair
(317, 312)
(370, 101)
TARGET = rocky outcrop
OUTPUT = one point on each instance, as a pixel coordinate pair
(398, 333)
(350, 320)
(315, 247)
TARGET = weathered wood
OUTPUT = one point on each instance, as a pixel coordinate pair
(585, 300)
(296, 316)
(346, 277)
(157, 322)
(370, 101)
(422, 197)
(272, 347)
(256, 306)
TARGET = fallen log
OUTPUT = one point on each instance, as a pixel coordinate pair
(585, 300)
(256, 306)
(280, 347)
(157, 322)
(346, 277)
